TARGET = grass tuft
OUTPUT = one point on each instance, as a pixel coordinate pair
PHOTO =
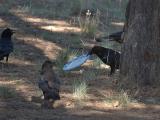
(124, 99)
(120, 99)
(63, 57)
(89, 24)
(79, 90)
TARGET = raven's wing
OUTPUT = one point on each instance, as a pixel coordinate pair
(6, 46)
(43, 85)
(116, 35)
(2, 55)
(113, 37)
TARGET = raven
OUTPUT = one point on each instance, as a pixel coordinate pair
(118, 36)
(108, 56)
(6, 44)
(49, 83)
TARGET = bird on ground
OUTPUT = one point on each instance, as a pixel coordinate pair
(6, 44)
(118, 37)
(108, 56)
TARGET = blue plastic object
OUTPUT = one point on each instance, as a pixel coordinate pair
(76, 62)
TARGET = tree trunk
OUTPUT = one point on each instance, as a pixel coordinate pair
(140, 60)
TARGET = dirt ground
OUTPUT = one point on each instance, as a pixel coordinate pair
(36, 40)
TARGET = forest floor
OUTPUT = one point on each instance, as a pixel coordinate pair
(40, 37)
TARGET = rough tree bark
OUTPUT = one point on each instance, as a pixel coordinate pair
(140, 60)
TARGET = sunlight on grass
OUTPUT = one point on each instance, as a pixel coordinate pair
(61, 29)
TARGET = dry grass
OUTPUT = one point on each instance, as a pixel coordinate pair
(120, 99)
(89, 24)
(80, 89)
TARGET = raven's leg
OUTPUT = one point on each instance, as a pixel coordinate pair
(45, 103)
(112, 69)
(7, 56)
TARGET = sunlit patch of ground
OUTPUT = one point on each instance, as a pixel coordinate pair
(9, 82)
(49, 49)
(42, 21)
(50, 25)
(118, 24)
(61, 29)
(19, 62)
(3, 23)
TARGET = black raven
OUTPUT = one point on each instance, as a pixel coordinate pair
(6, 44)
(108, 56)
(118, 36)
